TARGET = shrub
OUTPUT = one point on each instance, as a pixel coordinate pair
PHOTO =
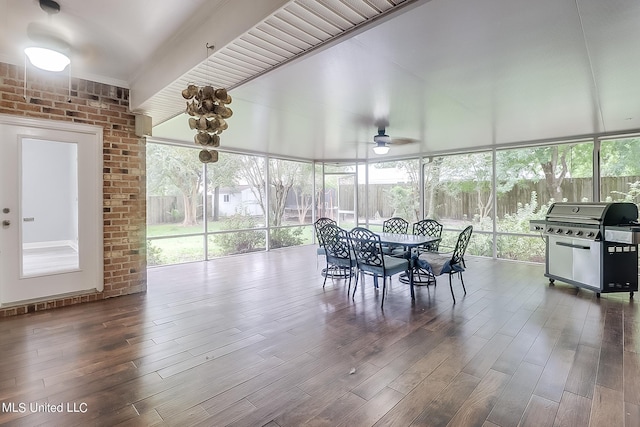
(519, 247)
(154, 254)
(239, 242)
(284, 237)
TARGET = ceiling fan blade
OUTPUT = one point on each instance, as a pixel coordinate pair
(402, 141)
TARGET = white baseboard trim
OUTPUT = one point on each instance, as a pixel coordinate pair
(51, 244)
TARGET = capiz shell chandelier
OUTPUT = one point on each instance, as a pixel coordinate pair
(208, 108)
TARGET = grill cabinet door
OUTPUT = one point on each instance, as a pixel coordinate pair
(560, 257)
(586, 263)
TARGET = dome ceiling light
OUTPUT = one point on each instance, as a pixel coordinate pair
(47, 59)
(48, 52)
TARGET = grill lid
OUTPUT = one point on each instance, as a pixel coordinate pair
(593, 213)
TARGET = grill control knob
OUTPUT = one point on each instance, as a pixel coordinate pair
(559, 230)
(549, 230)
(568, 232)
(590, 234)
(578, 233)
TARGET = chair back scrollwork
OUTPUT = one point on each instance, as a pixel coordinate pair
(367, 247)
(336, 242)
(319, 224)
(395, 225)
(429, 227)
(461, 245)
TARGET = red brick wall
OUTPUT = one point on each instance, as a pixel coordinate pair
(124, 169)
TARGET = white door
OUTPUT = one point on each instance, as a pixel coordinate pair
(50, 209)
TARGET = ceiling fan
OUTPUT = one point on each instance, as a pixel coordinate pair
(383, 141)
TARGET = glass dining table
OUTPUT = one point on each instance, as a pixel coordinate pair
(408, 242)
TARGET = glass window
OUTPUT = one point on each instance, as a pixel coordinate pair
(290, 202)
(290, 236)
(620, 170)
(393, 191)
(49, 227)
(175, 250)
(291, 192)
(458, 191)
(174, 190)
(521, 248)
(320, 196)
(236, 187)
(339, 168)
(339, 198)
(237, 241)
(530, 179)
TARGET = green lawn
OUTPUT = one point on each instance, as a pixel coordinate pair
(177, 228)
(172, 250)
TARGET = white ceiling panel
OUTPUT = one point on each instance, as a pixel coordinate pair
(612, 34)
(314, 78)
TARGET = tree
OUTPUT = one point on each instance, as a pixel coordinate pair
(405, 197)
(223, 173)
(470, 173)
(283, 175)
(174, 169)
(431, 183)
(303, 191)
(553, 164)
(555, 168)
(617, 157)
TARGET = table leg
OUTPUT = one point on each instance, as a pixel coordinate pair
(413, 295)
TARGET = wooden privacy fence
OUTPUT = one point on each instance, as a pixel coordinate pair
(448, 204)
(169, 209)
(464, 205)
(163, 209)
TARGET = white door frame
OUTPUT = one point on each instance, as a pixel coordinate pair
(90, 276)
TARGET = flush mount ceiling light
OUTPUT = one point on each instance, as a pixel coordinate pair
(382, 141)
(47, 59)
(381, 148)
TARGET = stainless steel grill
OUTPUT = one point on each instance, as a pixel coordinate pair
(592, 245)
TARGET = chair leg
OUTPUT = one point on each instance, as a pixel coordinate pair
(325, 276)
(465, 289)
(410, 274)
(384, 289)
(451, 287)
(348, 271)
(356, 285)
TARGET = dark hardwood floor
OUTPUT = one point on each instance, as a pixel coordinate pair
(254, 340)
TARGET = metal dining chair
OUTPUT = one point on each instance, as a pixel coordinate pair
(429, 227)
(450, 263)
(370, 259)
(426, 227)
(341, 260)
(321, 222)
(394, 225)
